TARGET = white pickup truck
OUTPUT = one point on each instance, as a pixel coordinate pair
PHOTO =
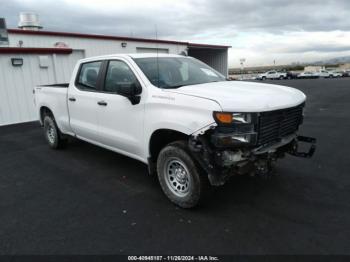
(272, 75)
(176, 114)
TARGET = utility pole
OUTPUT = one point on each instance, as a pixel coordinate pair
(242, 61)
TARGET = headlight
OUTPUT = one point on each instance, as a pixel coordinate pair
(232, 118)
(234, 129)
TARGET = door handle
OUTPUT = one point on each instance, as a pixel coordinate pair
(72, 99)
(102, 103)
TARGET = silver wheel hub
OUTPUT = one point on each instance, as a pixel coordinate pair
(177, 177)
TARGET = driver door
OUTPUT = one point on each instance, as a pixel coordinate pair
(120, 122)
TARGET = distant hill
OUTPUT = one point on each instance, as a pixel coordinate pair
(333, 61)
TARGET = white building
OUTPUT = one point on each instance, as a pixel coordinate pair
(313, 69)
(34, 57)
(345, 66)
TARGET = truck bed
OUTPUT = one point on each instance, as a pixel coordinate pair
(54, 97)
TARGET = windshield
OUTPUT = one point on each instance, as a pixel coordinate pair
(174, 72)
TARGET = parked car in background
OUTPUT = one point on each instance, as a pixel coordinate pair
(323, 73)
(340, 73)
(307, 75)
(291, 75)
(329, 74)
(346, 73)
(272, 75)
(335, 74)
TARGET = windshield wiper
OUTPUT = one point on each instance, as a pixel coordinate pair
(173, 87)
(177, 86)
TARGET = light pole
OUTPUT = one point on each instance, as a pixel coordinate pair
(242, 61)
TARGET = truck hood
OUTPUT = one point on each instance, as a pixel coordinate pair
(238, 96)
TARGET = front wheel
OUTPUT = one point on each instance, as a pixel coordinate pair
(179, 176)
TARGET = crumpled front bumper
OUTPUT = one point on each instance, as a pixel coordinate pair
(222, 162)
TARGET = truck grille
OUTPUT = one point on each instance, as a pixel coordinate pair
(277, 124)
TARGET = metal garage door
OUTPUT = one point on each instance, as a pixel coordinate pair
(214, 57)
(17, 82)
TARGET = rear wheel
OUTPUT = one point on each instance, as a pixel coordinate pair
(179, 176)
(52, 134)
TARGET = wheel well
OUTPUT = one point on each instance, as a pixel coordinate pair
(43, 112)
(160, 138)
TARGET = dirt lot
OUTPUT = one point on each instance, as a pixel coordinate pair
(87, 200)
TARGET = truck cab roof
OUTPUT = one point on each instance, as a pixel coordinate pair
(138, 55)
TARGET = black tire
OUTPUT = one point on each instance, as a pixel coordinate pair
(263, 78)
(53, 135)
(175, 160)
(281, 78)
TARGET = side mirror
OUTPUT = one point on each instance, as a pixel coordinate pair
(131, 91)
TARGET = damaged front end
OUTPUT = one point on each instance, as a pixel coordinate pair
(248, 143)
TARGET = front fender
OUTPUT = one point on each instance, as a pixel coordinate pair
(178, 112)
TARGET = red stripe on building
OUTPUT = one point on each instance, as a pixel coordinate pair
(34, 50)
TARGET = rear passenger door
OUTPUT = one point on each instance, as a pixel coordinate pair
(82, 101)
